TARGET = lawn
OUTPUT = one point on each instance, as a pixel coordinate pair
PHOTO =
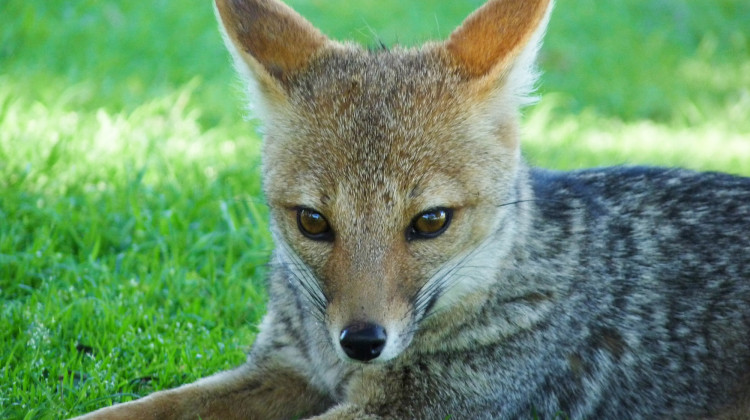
(133, 232)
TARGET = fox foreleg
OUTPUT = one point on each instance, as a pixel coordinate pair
(271, 391)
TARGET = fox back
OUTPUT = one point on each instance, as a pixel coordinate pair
(415, 247)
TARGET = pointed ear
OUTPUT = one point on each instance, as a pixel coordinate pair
(493, 37)
(268, 39)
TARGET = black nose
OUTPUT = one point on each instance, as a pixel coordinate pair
(363, 341)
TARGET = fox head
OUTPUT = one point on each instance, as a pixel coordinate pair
(386, 170)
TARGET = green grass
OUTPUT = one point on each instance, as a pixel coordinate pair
(132, 230)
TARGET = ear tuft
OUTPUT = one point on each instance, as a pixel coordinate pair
(493, 37)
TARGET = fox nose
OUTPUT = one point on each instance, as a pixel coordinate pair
(363, 341)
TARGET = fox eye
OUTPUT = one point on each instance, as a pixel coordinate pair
(313, 225)
(430, 224)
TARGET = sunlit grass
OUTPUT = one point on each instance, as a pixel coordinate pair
(132, 229)
(123, 240)
(555, 140)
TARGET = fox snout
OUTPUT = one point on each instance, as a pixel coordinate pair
(371, 298)
(365, 285)
(369, 309)
(375, 338)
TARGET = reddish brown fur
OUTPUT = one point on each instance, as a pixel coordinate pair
(494, 35)
(261, 26)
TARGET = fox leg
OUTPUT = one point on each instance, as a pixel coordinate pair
(248, 392)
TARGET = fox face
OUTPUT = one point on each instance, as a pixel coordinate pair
(386, 171)
(380, 199)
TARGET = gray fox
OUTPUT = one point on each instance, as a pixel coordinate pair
(423, 270)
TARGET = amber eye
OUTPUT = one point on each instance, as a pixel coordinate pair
(430, 224)
(313, 225)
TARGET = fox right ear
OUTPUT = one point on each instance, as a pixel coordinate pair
(499, 42)
(269, 42)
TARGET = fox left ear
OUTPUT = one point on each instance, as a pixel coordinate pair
(269, 43)
(500, 40)
(269, 35)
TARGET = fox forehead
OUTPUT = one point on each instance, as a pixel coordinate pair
(395, 127)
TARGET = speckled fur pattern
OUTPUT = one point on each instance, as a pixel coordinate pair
(613, 293)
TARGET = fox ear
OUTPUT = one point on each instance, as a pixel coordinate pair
(500, 36)
(268, 41)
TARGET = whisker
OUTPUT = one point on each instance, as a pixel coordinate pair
(447, 277)
(299, 272)
(531, 200)
(316, 307)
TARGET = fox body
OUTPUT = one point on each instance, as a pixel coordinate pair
(422, 270)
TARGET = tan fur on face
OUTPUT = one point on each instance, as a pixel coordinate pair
(395, 158)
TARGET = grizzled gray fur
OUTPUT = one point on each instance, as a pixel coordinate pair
(648, 275)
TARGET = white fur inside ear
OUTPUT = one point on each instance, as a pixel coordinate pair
(520, 82)
(256, 103)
